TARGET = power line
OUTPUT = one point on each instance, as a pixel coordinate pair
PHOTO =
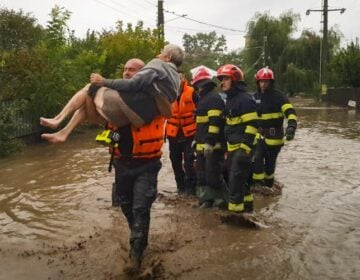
(122, 11)
(204, 23)
(113, 8)
(152, 4)
(129, 8)
(200, 22)
(199, 30)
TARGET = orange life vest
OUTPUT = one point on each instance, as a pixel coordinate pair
(182, 115)
(147, 140)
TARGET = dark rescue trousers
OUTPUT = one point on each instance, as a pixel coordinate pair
(239, 165)
(182, 160)
(265, 157)
(136, 187)
(209, 173)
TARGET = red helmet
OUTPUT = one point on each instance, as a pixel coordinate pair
(200, 74)
(232, 71)
(265, 74)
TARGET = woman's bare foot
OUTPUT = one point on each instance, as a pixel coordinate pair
(52, 123)
(54, 137)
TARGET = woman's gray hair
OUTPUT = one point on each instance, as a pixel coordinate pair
(176, 54)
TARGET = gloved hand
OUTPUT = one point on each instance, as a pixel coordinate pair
(290, 133)
(208, 149)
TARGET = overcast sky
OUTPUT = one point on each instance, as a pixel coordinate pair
(231, 14)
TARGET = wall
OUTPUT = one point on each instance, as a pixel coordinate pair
(341, 96)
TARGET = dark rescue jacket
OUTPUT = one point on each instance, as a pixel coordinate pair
(139, 143)
(242, 119)
(183, 112)
(209, 120)
(272, 107)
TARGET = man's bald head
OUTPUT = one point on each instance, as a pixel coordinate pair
(132, 66)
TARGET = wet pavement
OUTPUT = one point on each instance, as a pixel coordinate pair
(56, 219)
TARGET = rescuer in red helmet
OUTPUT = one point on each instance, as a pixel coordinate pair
(209, 139)
(272, 106)
(241, 122)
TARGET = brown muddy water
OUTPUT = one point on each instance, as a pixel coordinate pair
(56, 219)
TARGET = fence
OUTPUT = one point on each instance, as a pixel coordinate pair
(24, 125)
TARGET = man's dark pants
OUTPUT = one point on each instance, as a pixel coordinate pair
(136, 188)
(182, 160)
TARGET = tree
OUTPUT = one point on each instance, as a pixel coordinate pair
(203, 49)
(296, 62)
(345, 67)
(268, 36)
(125, 43)
(58, 31)
(18, 30)
(19, 33)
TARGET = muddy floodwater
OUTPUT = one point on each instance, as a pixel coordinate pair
(56, 219)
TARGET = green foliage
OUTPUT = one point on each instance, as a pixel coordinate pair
(8, 144)
(274, 33)
(345, 67)
(304, 51)
(122, 44)
(18, 31)
(203, 49)
(297, 79)
(57, 29)
(296, 62)
(299, 65)
(204, 42)
(42, 68)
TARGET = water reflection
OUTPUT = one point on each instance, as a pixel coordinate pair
(48, 190)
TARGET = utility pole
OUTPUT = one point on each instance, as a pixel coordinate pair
(324, 44)
(324, 50)
(264, 52)
(160, 20)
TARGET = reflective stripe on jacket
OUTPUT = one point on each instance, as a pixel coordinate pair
(183, 111)
(241, 120)
(273, 106)
(209, 120)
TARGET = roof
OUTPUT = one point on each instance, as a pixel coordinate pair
(211, 71)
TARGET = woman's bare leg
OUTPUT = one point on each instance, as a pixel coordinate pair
(74, 103)
(61, 136)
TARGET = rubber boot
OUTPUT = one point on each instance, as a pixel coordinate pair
(132, 266)
(207, 197)
(191, 191)
(181, 189)
(206, 204)
(248, 207)
(220, 203)
(220, 197)
(269, 182)
(199, 190)
(136, 252)
(257, 186)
